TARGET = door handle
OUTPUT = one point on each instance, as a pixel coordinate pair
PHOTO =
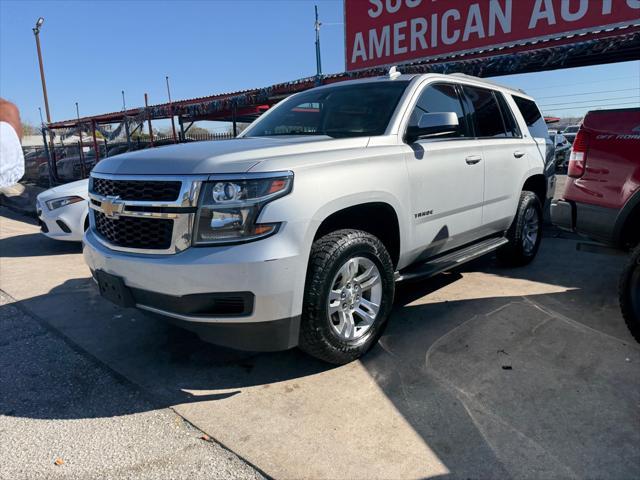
(473, 159)
(518, 154)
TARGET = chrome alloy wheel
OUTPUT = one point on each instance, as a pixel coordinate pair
(354, 298)
(530, 230)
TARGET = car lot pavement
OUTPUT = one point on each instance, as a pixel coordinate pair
(54, 420)
(483, 373)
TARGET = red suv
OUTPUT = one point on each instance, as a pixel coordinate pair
(602, 196)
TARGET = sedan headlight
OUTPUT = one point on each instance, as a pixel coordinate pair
(229, 207)
(62, 202)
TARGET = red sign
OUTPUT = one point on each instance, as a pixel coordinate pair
(391, 32)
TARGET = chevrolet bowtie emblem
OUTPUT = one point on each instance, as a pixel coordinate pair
(112, 207)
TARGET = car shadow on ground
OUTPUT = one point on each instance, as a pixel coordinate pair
(37, 246)
(496, 384)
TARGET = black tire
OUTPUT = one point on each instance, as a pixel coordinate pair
(515, 253)
(629, 294)
(328, 254)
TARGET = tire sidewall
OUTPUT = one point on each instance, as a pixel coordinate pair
(529, 201)
(360, 248)
(630, 281)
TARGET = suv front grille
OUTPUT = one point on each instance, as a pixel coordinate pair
(141, 190)
(135, 232)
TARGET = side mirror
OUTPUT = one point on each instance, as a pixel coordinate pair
(432, 124)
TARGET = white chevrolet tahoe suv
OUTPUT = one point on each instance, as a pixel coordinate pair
(295, 233)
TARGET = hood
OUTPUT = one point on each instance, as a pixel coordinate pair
(218, 156)
(79, 188)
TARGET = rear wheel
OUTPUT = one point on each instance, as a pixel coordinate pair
(348, 297)
(525, 233)
(629, 294)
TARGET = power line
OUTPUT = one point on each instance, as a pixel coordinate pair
(587, 101)
(589, 93)
(571, 84)
(590, 107)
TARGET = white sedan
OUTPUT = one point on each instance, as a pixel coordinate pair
(63, 211)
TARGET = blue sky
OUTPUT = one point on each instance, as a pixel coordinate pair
(95, 49)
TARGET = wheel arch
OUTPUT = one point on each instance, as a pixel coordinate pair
(627, 227)
(536, 183)
(377, 217)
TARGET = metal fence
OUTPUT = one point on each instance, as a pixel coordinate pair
(75, 163)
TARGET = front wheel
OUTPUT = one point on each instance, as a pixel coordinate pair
(525, 233)
(629, 294)
(348, 296)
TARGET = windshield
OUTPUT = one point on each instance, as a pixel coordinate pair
(357, 110)
(572, 129)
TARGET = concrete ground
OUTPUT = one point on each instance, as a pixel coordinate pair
(483, 373)
(52, 409)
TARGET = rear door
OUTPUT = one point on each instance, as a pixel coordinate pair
(446, 177)
(506, 152)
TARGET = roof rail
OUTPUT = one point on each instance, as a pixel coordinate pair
(470, 77)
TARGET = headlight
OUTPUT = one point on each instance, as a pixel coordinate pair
(229, 207)
(63, 202)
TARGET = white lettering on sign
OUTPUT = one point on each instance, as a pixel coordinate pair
(418, 33)
(568, 15)
(418, 28)
(496, 13)
(379, 46)
(446, 38)
(474, 23)
(393, 5)
(399, 38)
(359, 51)
(378, 8)
(542, 10)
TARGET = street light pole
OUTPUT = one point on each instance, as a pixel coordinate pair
(43, 130)
(36, 32)
(318, 59)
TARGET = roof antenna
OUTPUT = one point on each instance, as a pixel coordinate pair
(394, 73)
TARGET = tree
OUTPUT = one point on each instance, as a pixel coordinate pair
(195, 130)
(29, 129)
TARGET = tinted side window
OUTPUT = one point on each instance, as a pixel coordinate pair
(440, 98)
(532, 117)
(487, 119)
(507, 115)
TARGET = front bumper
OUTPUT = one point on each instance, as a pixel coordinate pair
(65, 223)
(183, 286)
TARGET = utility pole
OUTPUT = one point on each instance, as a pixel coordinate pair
(53, 168)
(318, 59)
